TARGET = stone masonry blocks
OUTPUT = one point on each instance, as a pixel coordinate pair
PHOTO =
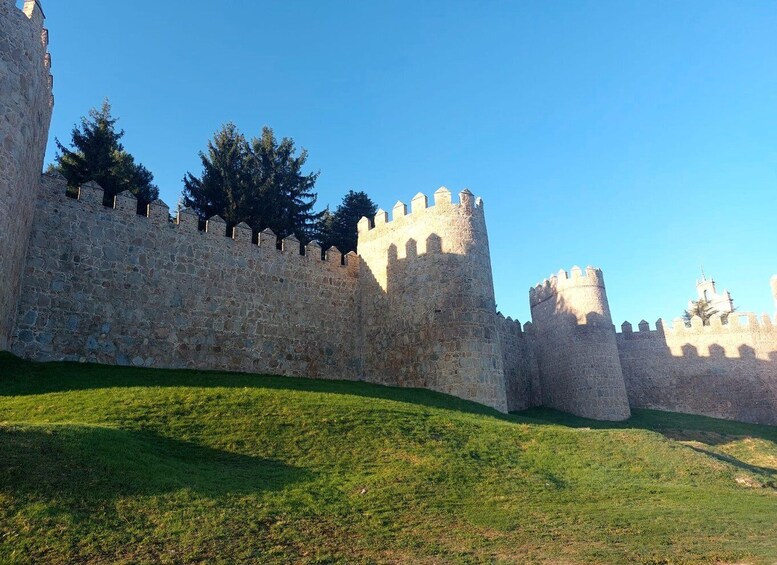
(25, 113)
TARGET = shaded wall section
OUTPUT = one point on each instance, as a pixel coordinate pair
(522, 377)
(25, 113)
(107, 285)
(722, 370)
(580, 369)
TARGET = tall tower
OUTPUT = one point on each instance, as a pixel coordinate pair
(427, 300)
(580, 370)
(705, 289)
(25, 114)
(774, 291)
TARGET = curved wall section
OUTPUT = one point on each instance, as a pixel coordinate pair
(577, 351)
(427, 300)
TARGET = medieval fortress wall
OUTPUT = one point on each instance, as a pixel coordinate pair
(722, 370)
(25, 112)
(86, 282)
(107, 285)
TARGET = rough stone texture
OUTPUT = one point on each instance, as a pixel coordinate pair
(522, 376)
(576, 348)
(25, 113)
(427, 300)
(726, 371)
(110, 286)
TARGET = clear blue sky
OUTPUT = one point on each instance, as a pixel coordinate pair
(640, 137)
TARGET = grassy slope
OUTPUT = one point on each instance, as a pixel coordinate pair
(106, 464)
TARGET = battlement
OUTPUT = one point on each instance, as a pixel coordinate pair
(419, 205)
(575, 278)
(509, 325)
(32, 9)
(737, 322)
(187, 223)
(32, 12)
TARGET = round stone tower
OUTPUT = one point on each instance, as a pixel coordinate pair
(580, 369)
(25, 114)
(428, 310)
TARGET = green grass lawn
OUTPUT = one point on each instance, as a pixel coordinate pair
(120, 465)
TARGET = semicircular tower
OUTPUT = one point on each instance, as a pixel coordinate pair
(427, 308)
(580, 368)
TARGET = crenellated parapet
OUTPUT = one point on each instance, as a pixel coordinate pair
(26, 26)
(186, 223)
(563, 280)
(577, 297)
(739, 330)
(736, 327)
(735, 323)
(420, 211)
(510, 326)
(575, 277)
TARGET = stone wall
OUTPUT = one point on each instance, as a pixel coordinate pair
(427, 300)
(580, 369)
(25, 114)
(722, 370)
(110, 286)
(522, 377)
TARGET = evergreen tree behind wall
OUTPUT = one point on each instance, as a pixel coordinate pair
(97, 154)
(259, 182)
(339, 229)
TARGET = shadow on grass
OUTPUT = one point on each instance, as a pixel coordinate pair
(19, 377)
(22, 378)
(82, 466)
(696, 432)
(767, 472)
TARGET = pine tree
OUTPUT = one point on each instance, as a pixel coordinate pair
(285, 196)
(325, 228)
(258, 182)
(97, 154)
(225, 184)
(339, 228)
